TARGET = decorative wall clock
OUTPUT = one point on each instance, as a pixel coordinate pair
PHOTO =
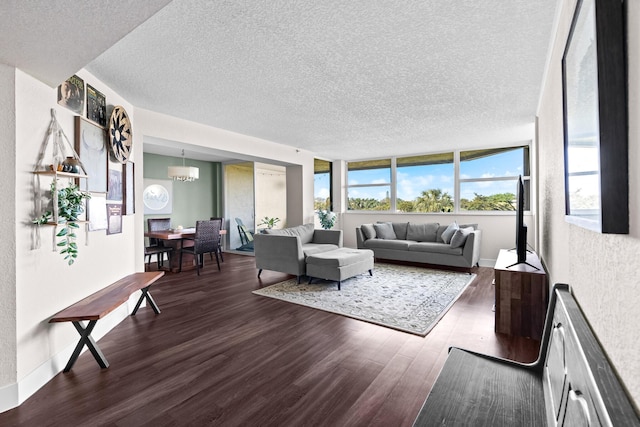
(120, 136)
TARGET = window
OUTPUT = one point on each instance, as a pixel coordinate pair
(369, 185)
(322, 185)
(425, 183)
(486, 181)
(488, 178)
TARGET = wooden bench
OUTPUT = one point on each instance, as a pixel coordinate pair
(571, 383)
(98, 305)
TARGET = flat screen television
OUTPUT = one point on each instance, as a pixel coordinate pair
(521, 227)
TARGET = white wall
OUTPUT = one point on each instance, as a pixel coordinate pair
(44, 283)
(601, 269)
(271, 193)
(8, 357)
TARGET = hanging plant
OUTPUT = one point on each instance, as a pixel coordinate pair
(70, 207)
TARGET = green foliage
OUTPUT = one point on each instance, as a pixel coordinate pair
(70, 207)
(435, 200)
(269, 222)
(495, 202)
(327, 219)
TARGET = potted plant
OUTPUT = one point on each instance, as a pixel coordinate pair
(269, 222)
(327, 219)
(70, 206)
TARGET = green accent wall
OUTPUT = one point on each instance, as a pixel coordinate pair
(192, 201)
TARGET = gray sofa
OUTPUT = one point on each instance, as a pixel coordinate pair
(285, 250)
(423, 243)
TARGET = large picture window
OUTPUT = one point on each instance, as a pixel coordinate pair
(486, 181)
(488, 178)
(369, 185)
(425, 183)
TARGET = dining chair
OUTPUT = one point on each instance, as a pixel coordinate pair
(221, 219)
(156, 246)
(206, 240)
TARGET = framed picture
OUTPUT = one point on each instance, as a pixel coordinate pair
(129, 207)
(91, 146)
(97, 212)
(114, 218)
(157, 196)
(96, 106)
(115, 189)
(595, 118)
(71, 94)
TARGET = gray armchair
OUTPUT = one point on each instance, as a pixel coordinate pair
(285, 250)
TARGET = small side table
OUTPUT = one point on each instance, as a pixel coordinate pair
(522, 295)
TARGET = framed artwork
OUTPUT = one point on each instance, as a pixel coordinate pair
(595, 119)
(115, 188)
(157, 196)
(129, 189)
(114, 218)
(96, 106)
(71, 94)
(91, 146)
(97, 212)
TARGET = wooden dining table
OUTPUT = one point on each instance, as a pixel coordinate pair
(175, 238)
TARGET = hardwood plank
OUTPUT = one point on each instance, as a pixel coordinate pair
(219, 355)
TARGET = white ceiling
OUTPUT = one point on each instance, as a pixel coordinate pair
(345, 79)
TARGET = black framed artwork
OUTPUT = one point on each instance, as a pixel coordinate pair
(96, 106)
(129, 207)
(595, 118)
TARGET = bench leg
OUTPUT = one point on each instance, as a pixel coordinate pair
(85, 339)
(146, 294)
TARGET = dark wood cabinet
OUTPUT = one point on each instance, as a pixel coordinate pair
(522, 295)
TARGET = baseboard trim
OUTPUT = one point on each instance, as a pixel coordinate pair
(14, 395)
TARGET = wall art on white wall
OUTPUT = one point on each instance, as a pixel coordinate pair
(97, 211)
(157, 196)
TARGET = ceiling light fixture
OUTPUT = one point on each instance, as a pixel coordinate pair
(184, 173)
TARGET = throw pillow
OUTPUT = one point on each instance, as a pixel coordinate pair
(385, 231)
(447, 234)
(368, 231)
(422, 232)
(460, 237)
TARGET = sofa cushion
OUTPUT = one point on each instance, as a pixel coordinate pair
(460, 237)
(400, 228)
(434, 247)
(305, 232)
(368, 231)
(385, 231)
(447, 234)
(399, 245)
(317, 248)
(422, 232)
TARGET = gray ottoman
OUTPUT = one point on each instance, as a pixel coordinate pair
(339, 264)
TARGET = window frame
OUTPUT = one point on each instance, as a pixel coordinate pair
(458, 180)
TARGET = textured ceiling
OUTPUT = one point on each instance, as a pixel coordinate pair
(345, 79)
(51, 40)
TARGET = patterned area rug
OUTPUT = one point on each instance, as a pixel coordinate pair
(410, 299)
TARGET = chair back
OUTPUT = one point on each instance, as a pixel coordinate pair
(207, 236)
(221, 219)
(157, 224)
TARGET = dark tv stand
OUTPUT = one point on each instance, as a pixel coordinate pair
(523, 262)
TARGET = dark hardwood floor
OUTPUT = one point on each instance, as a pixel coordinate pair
(219, 355)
